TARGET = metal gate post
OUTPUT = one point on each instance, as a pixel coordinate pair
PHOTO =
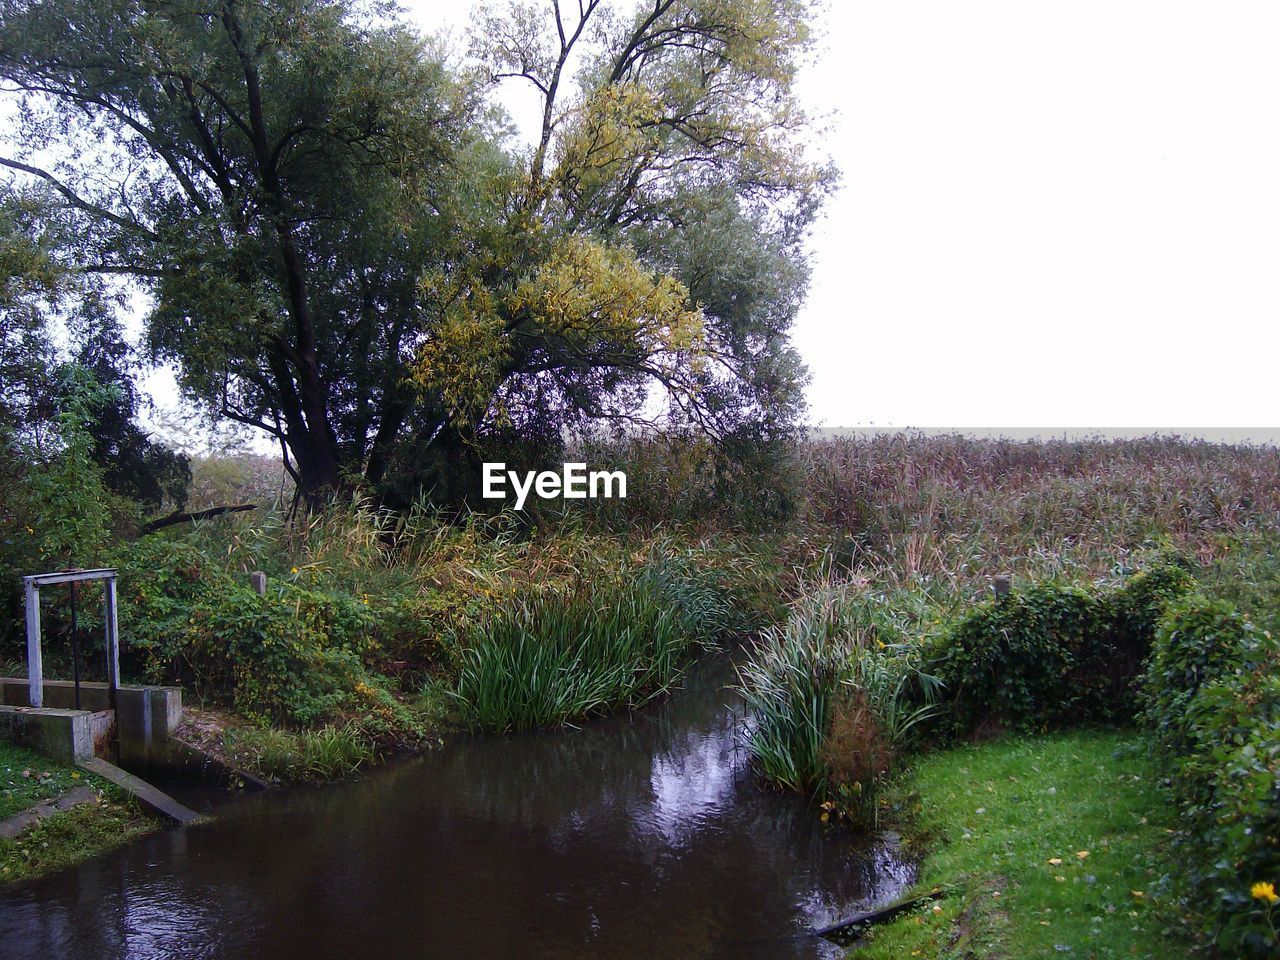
(113, 641)
(35, 664)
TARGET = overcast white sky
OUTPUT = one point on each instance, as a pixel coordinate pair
(1052, 214)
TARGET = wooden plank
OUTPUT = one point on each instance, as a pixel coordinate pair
(66, 576)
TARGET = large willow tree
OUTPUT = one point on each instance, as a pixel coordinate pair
(346, 250)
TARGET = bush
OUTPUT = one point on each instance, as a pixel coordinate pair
(295, 655)
(1054, 654)
(1212, 693)
(555, 658)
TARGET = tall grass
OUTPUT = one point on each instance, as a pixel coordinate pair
(555, 659)
(328, 753)
(945, 513)
(833, 693)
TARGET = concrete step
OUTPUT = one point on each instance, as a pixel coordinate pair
(154, 800)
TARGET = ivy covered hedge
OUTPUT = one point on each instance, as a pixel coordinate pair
(1201, 676)
(1212, 691)
(1054, 654)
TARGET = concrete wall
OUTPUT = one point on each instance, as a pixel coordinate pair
(66, 735)
(145, 716)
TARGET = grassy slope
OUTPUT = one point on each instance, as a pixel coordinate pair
(64, 838)
(997, 814)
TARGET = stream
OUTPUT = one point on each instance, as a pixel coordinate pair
(641, 836)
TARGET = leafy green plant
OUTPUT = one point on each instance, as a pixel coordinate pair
(1053, 654)
(1212, 694)
(830, 700)
(296, 655)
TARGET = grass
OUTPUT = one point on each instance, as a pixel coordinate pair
(26, 778)
(329, 753)
(832, 694)
(63, 838)
(945, 514)
(70, 837)
(1049, 846)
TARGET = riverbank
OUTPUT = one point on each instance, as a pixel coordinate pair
(65, 837)
(1048, 846)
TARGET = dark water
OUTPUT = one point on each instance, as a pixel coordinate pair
(630, 838)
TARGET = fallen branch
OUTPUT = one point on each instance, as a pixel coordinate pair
(175, 518)
(846, 930)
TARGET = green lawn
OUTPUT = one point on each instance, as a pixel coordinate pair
(66, 837)
(27, 778)
(1049, 846)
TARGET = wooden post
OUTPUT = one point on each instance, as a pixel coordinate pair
(258, 580)
(1001, 585)
(35, 665)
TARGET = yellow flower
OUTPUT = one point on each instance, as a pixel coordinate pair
(1264, 891)
(293, 569)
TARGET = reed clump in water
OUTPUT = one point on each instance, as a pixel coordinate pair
(619, 643)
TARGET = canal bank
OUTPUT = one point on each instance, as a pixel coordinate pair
(635, 836)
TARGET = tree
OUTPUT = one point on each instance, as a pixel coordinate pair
(31, 283)
(345, 251)
(89, 385)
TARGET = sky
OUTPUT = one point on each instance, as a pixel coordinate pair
(1051, 215)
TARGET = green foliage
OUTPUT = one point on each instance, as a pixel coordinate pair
(1053, 654)
(1213, 706)
(1246, 571)
(383, 278)
(832, 693)
(328, 753)
(296, 655)
(55, 508)
(619, 643)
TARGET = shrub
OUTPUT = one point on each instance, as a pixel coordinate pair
(1212, 694)
(1053, 654)
(295, 654)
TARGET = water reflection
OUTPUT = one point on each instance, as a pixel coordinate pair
(631, 838)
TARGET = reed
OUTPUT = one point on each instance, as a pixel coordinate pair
(833, 692)
(551, 660)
